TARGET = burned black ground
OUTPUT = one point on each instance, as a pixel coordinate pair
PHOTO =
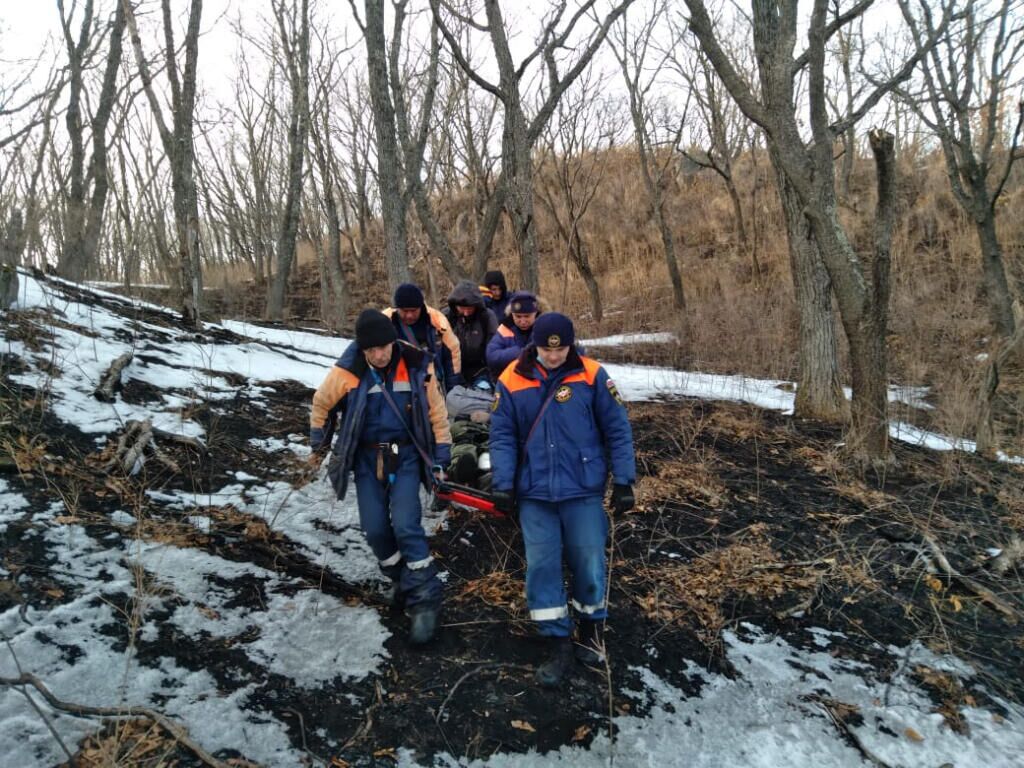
(745, 517)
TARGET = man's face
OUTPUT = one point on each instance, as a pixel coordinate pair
(524, 320)
(552, 357)
(466, 312)
(496, 292)
(379, 357)
(410, 316)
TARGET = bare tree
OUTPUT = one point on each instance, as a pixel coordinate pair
(414, 143)
(178, 141)
(326, 183)
(969, 77)
(390, 173)
(571, 171)
(720, 129)
(861, 283)
(293, 31)
(657, 131)
(86, 188)
(520, 133)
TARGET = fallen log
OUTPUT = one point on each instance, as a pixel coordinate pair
(111, 379)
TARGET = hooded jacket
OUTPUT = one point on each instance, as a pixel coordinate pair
(580, 435)
(474, 332)
(345, 391)
(498, 306)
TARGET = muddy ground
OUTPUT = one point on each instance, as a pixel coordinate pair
(744, 516)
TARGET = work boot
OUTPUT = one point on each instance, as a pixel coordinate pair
(550, 673)
(589, 646)
(392, 594)
(423, 625)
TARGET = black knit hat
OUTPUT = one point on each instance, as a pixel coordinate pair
(553, 329)
(374, 329)
(495, 277)
(408, 296)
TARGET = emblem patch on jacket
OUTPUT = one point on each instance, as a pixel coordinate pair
(614, 391)
(563, 394)
(495, 401)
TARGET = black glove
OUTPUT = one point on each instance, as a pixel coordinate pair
(622, 498)
(319, 440)
(504, 502)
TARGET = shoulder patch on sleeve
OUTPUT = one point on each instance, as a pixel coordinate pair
(495, 401)
(614, 391)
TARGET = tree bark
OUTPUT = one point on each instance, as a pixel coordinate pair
(819, 393)
(297, 67)
(997, 288)
(389, 169)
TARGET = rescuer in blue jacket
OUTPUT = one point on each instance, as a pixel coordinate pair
(559, 427)
(394, 432)
(513, 333)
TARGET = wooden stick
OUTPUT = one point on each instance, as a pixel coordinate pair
(177, 731)
(111, 379)
(986, 595)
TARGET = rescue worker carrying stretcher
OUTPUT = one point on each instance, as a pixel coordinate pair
(428, 329)
(558, 427)
(393, 433)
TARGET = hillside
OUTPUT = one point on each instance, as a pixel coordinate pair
(768, 607)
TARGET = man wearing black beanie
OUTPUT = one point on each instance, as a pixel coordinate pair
(393, 434)
(428, 329)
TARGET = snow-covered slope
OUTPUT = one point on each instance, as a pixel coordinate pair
(125, 594)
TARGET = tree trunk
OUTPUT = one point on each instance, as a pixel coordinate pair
(997, 289)
(869, 428)
(737, 212)
(519, 198)
(488, 228)
(389, 170)
(668, 241)
(819, 393)
(12, 238)
(298, 129)
(579, 258)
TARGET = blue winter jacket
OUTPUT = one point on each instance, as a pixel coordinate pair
(505, 346)
(583, 433)
(346, 392)
(498, 306)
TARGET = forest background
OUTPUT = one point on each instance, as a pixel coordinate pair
(823, 193)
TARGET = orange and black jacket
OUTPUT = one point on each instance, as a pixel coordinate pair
(434, 333)
(344, 393)
(582, 430)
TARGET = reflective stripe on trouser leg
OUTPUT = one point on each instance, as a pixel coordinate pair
(585, 532)
(395, 559)
(545, 591)
(547, 614)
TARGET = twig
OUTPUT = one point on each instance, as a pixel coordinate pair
(851, 736)
(986, 595)
(39, 711)
(177, 731)
(460, 681)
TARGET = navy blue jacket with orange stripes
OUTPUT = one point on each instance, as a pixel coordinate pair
(346, 392)
(582, 435)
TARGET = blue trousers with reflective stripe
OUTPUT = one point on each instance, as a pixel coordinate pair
(576, 529)
(391, 518)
